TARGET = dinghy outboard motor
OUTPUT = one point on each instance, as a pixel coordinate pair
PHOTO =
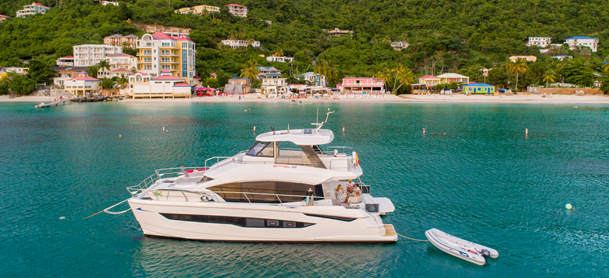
(485, 253)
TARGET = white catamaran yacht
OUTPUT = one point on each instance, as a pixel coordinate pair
(269, 193)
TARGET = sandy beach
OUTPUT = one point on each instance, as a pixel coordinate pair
(457, 98)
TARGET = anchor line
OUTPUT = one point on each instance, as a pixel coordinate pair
(423, 240)
(107, 210)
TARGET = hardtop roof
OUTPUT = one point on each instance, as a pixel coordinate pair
(306, 137)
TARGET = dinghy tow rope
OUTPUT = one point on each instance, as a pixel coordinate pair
(107, 210)
(423, 240)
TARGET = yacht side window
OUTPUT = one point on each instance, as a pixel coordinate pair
(261, 149)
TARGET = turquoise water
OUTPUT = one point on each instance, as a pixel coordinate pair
(483, 181)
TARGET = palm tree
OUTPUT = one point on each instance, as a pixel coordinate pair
(123, 81)
(517, 67)
(384, 75)
(327, 69)
(103, 64)
(232, 36)
(549, 76)
(606, 67)
(250, 70)
(331, 73)
(403, 75)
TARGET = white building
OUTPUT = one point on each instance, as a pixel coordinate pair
(66, 61)
(66, 73)
(198, 10)
(263, 71)
(86, 55)
(528, 58)
(338, 32)
(561, 57)
(273, 83)
(575, 42)
(17, 70)
(448, 78)
(541, 42)
(82, 85)
(122, 62)
(142, 85)
(315, 79)
(399, 45)
(160, 52)
(240, 43)
(237, 10)
(108, 3)
(280, 59)
(35, 8)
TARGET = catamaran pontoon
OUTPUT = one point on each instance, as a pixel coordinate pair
(268, 193)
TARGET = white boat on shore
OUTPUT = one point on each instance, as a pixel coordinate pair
(460, 248)
(272, 192)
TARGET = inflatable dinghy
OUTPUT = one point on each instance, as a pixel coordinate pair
(460, 248)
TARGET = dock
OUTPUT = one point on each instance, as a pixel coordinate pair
(57, 103)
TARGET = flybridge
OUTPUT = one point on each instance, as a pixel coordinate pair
(299, 136)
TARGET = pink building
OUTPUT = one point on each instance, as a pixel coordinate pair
(362, 85)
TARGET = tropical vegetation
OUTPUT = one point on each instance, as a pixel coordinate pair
(444, 36)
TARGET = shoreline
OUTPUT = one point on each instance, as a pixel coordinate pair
(458, 98)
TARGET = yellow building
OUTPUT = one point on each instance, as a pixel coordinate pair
(198, 9)
(528, 58)
(159, 52)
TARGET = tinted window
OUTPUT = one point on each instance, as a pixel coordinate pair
(260, 149)
(245, 192)
(237, 221)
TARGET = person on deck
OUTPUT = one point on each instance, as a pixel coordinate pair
(341, 197)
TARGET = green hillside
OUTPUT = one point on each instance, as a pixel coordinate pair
(459, 36)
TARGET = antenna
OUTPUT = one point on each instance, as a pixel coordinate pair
(319, 125)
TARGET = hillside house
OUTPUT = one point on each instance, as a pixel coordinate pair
(34, 8)
(237, 10)
(575, 42)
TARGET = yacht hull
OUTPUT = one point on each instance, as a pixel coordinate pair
(317, 223)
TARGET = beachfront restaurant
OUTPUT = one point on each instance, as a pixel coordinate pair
(353, 86)
(479, 88)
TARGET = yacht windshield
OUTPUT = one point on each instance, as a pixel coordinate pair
(205, 179)
(260, 149)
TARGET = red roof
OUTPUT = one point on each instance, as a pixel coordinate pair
(3, 15)
(237, 5)
(182, 39)
(166, 71)
(84, 78)
(428, 76)
(167, 78)
(67, 57)
(39, 5)
(213, 74)
(163, 36)
(143, 74)
(196, 77)
(181, 84)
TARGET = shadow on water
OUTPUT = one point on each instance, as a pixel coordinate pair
(160, 257)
